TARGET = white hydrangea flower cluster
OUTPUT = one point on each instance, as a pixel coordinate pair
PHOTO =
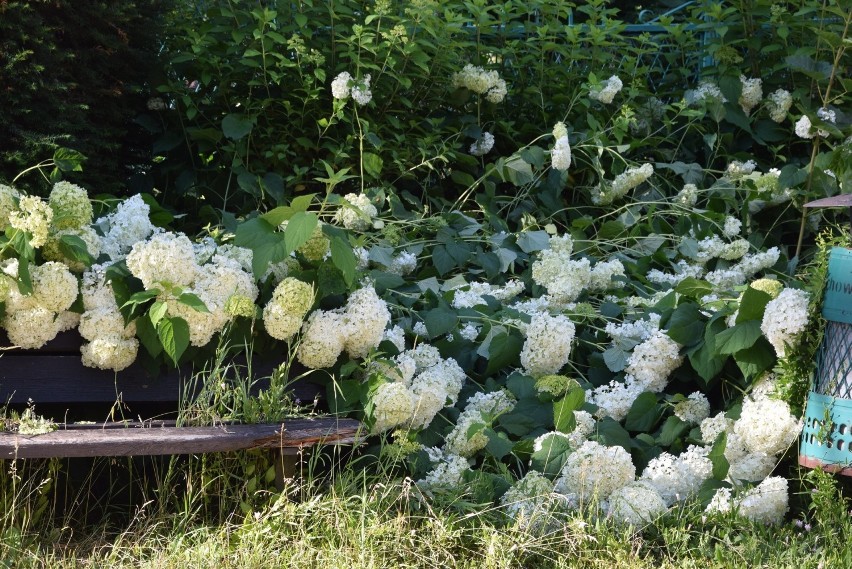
(615, 398)
(688, 195)
(52, 251)
(33, 320)
(678, 478)
(548, 344)
(594, 471)
(345, 85)
(529, 500)
(470, 295)
(482, 409)
(602, 274)
(563, 278)
(357, 214)
(163, 261)
(33, 216)
(469, 332)
(652, 361)
(767, 426)
(127, 225)
(627, 334)
(705, 92)
(393, 404)
(737, 169)
(71, 206)
(784, 319)
(447, 473)
(110, 344)
(694, 409)
(284, 313)
(732, 226)
(219, 285)
(483, 144)
(8, 203)
(560, 156)
(395, 336)
(751, 94)
(779, 103)
(826, 115)
(481, 82)
(766, 503)
(607, 192)
(805, 129)
(357, 328)
(683, 270)
(607, 91)
(636, 504)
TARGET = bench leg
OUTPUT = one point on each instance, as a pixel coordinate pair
(287, 466)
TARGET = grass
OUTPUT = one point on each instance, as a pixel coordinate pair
(200, 513)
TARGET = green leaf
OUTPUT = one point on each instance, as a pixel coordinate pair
(717, 457)
(372, 164)
(752, 305)
(693, 288)
(147, 334)
(443, 261)
(643, 414)
(552, 455)
(141, 297)
(302, 203)
(343, 258)
(522, 386)
(25, 281)
(706, 362)
(686, 325)
(563, 410)
(267, 244)
(615, 359)
(74, 248)
(740, 337)
(498, 445)
(530, 241)
(156, 313)
(517, 171)
(503, 352)
(236, 126)
(611, 433)
(527, 416)
(299, 229)
(440, 321)
(193, 302)
(174, 337)
(279, 215)
(756, 359)
(68, 160)
(672, 430)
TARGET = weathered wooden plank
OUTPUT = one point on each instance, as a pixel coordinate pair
(136, 440)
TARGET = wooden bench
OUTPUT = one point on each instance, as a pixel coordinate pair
(57, 382)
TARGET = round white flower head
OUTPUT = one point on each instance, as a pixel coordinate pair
(33, 216)
(804, 128)
(688, 196)
(361, 90)
(71, 206)
(560, 156)
(434, 388)
(528, 500)
(766, 425)
(737, 169)
(654, 360)
(778, 103)
(165, 260)
(753, 263)
(606, 92)
(393, 405)
(705, 92)
(67, 320)
(615, 398)
(31, 328)
(482, 409)
(694, 409)
(447, 473)
(722, 502)
(481, 82)
(827, 115)
(403, 264)
(732, 227)
(105, 322)
(678, 478)
(483, 144)
(322, 340)
(340, 86)
(712, 427)
(766, 503)
(54, 287)
(752, 93)
(636, 504)
(126, 226)
(594, 471)
(357, 214)
(600, 278)
(110, 352)
(8, 203)
(365, 318)
(563, 278)
(424, 356)
(752, 467)
(784, 319)
(241, 255)
(395, 336)
(469, 332)
(548, 344)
